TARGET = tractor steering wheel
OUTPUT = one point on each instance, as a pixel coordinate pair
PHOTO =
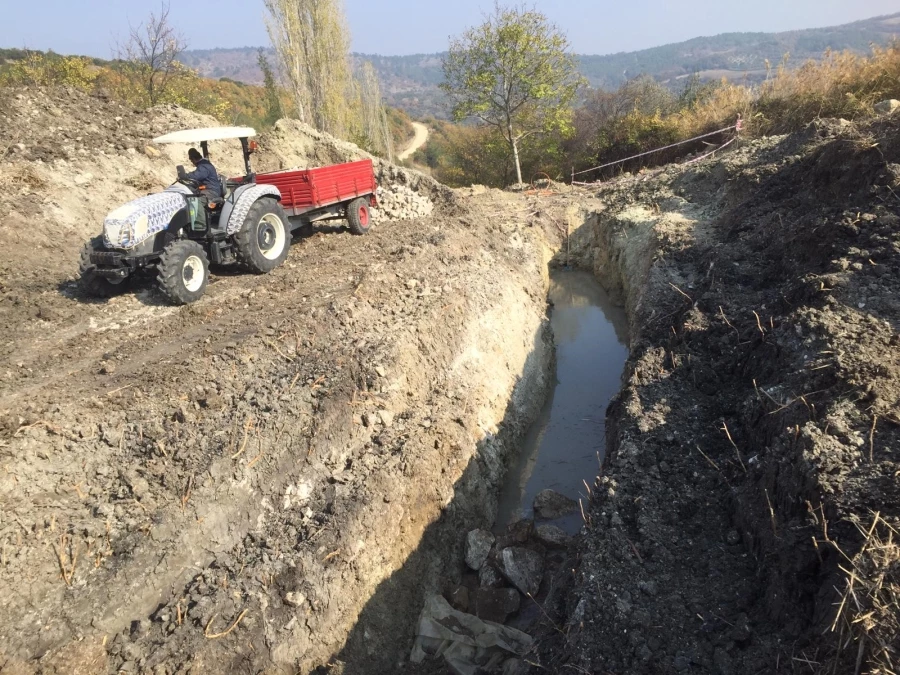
(189, 182)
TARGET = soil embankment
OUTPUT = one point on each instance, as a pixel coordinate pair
(263, 459)
(750, 480)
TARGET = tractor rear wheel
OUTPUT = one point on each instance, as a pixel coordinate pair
(91, 283)
(183, 272)
(264, 240)
(358, 216)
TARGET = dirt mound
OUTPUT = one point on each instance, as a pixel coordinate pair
(295, 145)
(232, 485)
(756, 436)
(67, 159)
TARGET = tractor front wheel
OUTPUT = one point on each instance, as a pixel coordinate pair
(183, 272)
(358, 216)
(91, 283)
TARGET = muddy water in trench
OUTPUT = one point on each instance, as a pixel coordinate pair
(561, 449)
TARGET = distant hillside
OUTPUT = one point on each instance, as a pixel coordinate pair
(736, 54)
(410, 82)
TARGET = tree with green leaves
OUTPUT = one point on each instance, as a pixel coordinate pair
(513, 72)
(273, 96)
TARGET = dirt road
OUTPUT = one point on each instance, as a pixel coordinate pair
(420, 139)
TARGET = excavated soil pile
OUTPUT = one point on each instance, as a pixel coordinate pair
(225, 487)
(746, 518)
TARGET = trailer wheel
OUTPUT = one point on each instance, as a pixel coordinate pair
(263, 242)
(183, 272)
(358, 216)
(91, 283)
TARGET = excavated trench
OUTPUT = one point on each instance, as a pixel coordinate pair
(277, 478)
(580, 353)
(567, 443)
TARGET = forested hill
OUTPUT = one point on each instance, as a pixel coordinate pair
(410, 82)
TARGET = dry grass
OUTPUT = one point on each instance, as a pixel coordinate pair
(143, 181)
(867, 623)
(846, 85)
(842, 84)
(22, 179)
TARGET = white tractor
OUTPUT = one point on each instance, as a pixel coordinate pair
(177, 233)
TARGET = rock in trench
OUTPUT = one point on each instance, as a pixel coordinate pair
(478, 546)
(489, 577)
(551, 504)
(552, 536)
(523, 568)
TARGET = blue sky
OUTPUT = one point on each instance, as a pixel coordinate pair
(414, 26)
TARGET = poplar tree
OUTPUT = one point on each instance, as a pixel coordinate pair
(312, 42)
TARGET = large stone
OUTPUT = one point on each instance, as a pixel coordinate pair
(523, 568)
(478, 546)
(552, 536)
(551, 504)
(489, 577)
(496, 604)
(887, 107)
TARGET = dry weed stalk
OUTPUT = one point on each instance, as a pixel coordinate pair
(216, 636)
(248, 425)
(734, 445)
(186, 495)
(66, 549)
(869, 611)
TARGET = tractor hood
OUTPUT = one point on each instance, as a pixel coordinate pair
(138, 220)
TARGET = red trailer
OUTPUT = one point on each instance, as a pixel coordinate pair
(326, 193)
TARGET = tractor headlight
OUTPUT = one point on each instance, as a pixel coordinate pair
(139, 229)
(122, 229)
(112, 233)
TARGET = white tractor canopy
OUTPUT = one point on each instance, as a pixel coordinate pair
(203, 135)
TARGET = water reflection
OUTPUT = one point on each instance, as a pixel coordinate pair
(562, 447)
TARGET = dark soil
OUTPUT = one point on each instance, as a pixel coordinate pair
(757, 433)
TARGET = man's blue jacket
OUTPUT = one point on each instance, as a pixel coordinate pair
(206, 174)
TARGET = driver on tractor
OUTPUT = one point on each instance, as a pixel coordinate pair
(206, 176)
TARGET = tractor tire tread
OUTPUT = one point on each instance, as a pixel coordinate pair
(169, 271)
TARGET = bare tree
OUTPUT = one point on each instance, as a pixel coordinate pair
(152, 51)
(286, 34)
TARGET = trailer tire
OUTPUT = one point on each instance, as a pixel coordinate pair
(358, 216)
(89, 282)
(264, 240)
(183, 272)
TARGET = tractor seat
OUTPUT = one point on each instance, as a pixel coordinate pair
(226, 190)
